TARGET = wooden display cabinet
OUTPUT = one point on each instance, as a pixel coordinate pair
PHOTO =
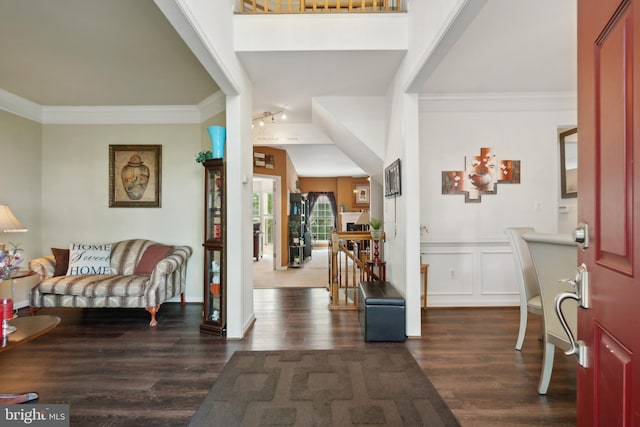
(214, 314)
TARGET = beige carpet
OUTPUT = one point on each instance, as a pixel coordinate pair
(314, 273)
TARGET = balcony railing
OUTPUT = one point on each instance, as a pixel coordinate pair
(318, 6)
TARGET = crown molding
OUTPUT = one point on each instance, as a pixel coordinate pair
(213, 105)
(121, 114)
(20, 106)
(477, 102)
(135, 114)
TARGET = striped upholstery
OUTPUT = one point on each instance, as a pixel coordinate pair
(120, 289)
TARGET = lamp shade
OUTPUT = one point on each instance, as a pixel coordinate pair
(8, 222)
(363, 219)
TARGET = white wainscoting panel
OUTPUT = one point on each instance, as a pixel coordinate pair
(468, 274)
(494, 280)
(450, 273)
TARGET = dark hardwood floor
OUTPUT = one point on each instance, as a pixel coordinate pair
(114, 370)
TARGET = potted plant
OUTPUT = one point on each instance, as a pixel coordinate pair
(203, 156)
(294, 231)
(376, 228)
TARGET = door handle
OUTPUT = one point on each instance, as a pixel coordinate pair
(580, 285)
(581, 235)
(581, 295)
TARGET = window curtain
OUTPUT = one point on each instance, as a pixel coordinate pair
(312, 198)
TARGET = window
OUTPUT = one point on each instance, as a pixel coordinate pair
(268, 219)
(322, 219)
(262, 204)
(256, 207)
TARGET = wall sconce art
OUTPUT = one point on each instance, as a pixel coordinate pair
(482, 175)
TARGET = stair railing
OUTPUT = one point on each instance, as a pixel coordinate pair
(347, 266)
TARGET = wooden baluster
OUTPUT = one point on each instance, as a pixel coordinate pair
(342, 274)
(334, 267)
(339, 270)
(353, 269)
(346, 272)
(346, 275)
(264, 6)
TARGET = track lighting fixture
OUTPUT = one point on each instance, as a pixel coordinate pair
(270, 116)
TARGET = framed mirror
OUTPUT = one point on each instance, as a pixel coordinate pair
(569, 163)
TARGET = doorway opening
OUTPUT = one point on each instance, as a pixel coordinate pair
(267, 272)
(266, 228)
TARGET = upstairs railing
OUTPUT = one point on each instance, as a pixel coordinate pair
(314, 6)
(347, 266)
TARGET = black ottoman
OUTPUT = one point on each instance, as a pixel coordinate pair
(381, 311)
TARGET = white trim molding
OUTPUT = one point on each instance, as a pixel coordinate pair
(121, 115)
(213, 105)
(526, 101)
(20, 106)
(126, 114)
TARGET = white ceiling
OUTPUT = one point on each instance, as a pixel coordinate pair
(512, 46)
(96, 53)
(124, 52)
(292, 79)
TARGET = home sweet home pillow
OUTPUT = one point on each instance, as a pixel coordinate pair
(89, 259)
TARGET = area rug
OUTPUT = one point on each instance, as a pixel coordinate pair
(379, 386)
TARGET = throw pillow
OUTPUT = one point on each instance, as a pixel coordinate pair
(151, 256)
(62, 261)
(89, 259)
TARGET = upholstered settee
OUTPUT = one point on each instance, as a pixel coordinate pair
(139, 274)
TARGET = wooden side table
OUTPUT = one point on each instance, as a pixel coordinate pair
(424, 270)
(18, 287)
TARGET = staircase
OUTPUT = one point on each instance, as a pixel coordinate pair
(347, 266)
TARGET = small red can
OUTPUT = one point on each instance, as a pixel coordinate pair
(6, 309)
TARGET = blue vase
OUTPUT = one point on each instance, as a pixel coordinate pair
(218, 135)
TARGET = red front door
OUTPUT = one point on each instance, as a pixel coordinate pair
(609, 202)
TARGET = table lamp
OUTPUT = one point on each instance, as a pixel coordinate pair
(363, 219)
(9, 223)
